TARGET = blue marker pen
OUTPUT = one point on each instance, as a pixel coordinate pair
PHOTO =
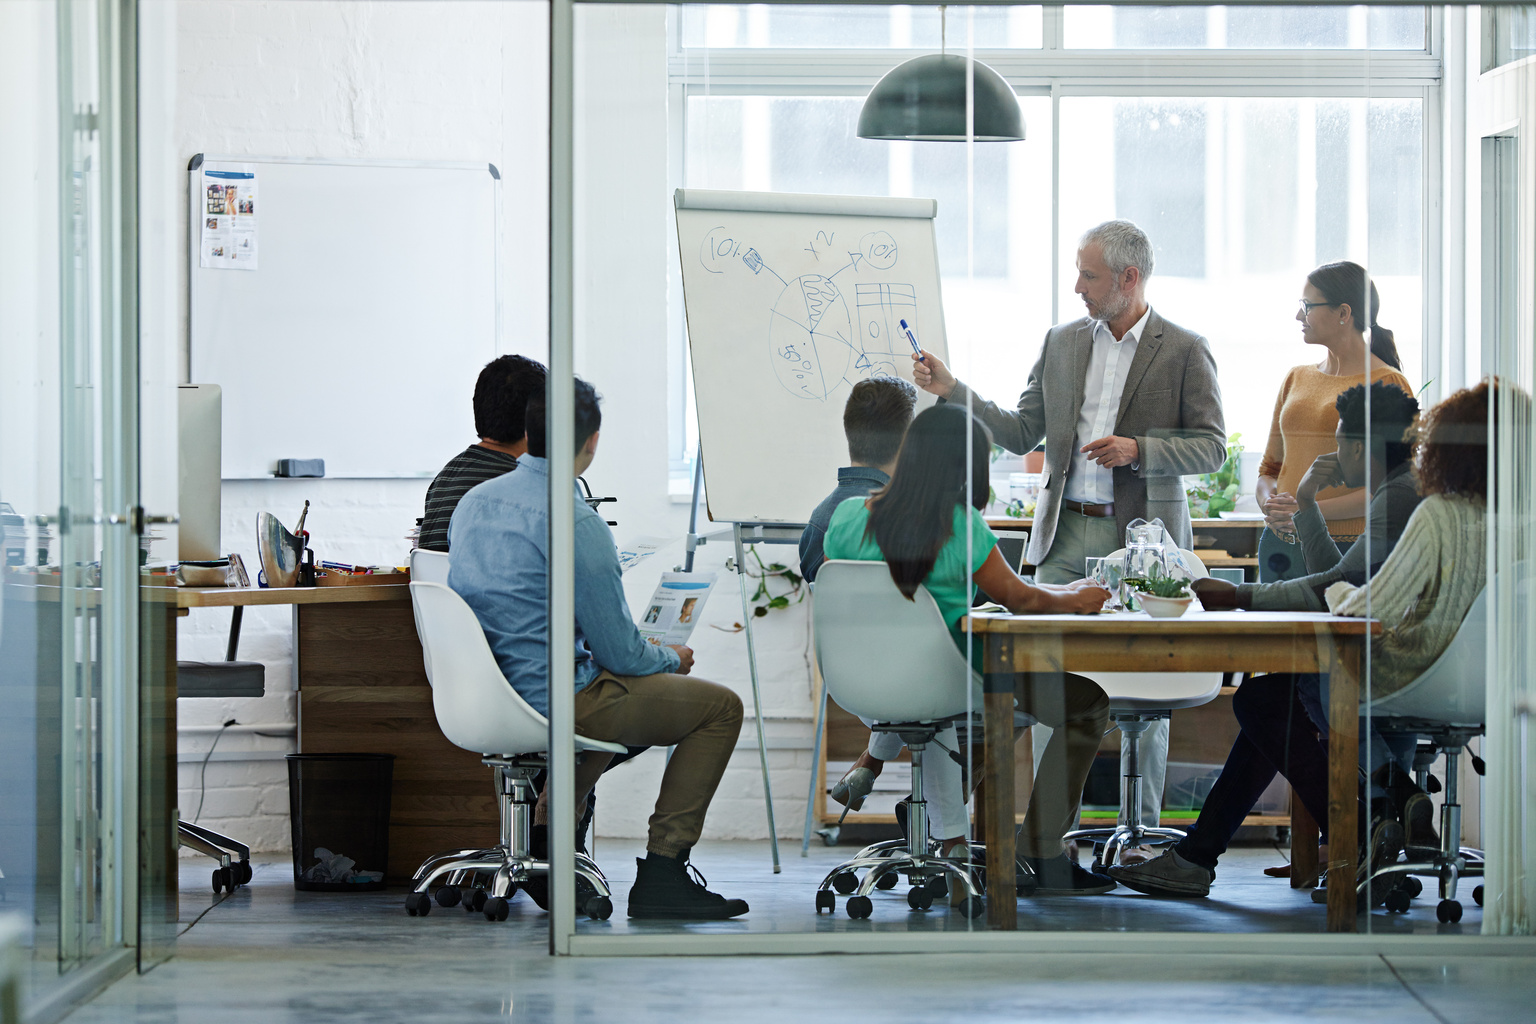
(916, 348)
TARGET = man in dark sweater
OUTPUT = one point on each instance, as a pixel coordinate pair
(501, 400)
(1283, 715)
(875, 420)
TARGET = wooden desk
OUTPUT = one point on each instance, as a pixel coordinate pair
(1197, 642)
(363, 688)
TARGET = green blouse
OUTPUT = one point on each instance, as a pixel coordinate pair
(949, 582)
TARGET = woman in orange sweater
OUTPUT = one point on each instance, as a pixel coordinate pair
(1335, 314)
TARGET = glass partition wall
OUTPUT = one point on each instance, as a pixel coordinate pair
(70, 685)
(1295, 172)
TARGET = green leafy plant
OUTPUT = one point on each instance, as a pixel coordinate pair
(765, 600)
(1160, 584)
(1217, 492)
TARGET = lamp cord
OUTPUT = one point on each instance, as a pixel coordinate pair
(202, 773)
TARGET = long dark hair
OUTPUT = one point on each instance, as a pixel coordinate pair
(1347, 282)
(913, 516)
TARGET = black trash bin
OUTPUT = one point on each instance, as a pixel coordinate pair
(339, 803)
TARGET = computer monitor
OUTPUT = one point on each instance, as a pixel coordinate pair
(200, 428)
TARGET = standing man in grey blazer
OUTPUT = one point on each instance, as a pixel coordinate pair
(1127, 404)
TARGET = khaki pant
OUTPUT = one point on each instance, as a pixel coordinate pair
(1077, 712)
(699, 718)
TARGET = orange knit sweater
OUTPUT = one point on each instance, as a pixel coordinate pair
(1303, 426)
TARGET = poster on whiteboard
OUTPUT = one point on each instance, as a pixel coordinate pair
(229, 217)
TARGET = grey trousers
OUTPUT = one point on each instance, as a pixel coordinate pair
(1079, 538)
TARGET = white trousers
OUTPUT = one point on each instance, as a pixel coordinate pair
(943, 788)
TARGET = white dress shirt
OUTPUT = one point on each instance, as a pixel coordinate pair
(1087, 481)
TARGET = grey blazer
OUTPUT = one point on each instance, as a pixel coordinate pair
(1171, 406)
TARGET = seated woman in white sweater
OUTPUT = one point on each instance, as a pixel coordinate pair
(1420, 594)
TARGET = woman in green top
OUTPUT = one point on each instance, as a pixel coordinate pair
(927, 526)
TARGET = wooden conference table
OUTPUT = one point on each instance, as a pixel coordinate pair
(1200, 641)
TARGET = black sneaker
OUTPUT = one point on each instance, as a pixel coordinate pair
(537, 886)
(1060, 876)
(670, 887)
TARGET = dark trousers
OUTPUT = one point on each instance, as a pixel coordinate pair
(1278, 736)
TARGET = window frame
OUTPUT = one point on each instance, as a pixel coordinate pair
(1054, 71)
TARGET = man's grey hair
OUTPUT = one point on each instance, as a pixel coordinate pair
(1125, 245)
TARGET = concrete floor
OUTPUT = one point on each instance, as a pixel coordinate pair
(272, 955)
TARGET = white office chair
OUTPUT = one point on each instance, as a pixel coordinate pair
(478, 710)
(892, 660)
(1136, 701)
(1448, 705)
(429, 566)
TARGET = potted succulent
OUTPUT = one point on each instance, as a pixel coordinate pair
(1162, 596)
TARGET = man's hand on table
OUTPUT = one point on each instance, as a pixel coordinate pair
(1219, 595)
(685, 658)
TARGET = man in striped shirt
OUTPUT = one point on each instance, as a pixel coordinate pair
(501, 399)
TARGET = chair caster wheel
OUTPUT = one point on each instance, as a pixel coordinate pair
(1398, 901)
(418, 904)
(474, 901)
(1413, 885)
(859, 907)
(825, 900)
(1477, 895)
(845, 882)
(242, 872)
(972, 907)
(218, 880)
(495, 909)
(887, 880)
(938, 885)
(599, 908)
(919, 898)
(1448, 912)
(448, 896)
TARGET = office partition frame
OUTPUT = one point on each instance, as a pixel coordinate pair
(1415, 74)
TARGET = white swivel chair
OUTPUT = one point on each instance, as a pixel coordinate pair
(479, 711)
(1448, 705)
(1136, 700)
(892, 660)
(429, 566)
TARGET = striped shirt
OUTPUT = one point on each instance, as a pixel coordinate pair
(474, 465)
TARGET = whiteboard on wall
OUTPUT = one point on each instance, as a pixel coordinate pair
(358, 338)
(792, 299)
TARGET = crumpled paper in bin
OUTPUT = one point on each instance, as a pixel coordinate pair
(337, 867)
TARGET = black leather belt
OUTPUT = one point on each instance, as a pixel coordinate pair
(1091, 511)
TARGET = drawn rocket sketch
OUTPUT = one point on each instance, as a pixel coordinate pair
(823, 333)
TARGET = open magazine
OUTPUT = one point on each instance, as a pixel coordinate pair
(668, 618)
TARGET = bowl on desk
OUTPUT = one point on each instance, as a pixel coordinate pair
(1164, 607)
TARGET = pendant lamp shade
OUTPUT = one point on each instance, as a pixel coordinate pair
(923, 100)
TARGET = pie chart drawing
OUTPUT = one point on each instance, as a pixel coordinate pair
(810, 337)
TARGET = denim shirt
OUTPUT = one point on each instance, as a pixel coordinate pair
(852, 482)
(499, 536)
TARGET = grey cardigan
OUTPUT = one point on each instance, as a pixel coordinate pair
(1171, 405)
(1386, 518)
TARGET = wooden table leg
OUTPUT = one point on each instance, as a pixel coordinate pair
(1343, 782)
(1303, 845)
(997, 807)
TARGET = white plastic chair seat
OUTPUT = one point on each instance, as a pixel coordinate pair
(882, 656)
(429, 566)
(476, 707)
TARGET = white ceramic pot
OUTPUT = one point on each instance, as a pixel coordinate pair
(1164, 607)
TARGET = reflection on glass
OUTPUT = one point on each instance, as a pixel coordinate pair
(1245, 27)
(1242, 198)
(1509, 33)
(857, 27)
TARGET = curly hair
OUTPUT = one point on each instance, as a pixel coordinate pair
(1453, 439)
(1392, 419)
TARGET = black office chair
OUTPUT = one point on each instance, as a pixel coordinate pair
(227, 678)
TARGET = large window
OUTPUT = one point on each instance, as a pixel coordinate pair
(1244, 183)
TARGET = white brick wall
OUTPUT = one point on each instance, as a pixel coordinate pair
(466, 81)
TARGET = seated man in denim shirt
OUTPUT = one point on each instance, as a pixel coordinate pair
(627, 691)
(876, 418)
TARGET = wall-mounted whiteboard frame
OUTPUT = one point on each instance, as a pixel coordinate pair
(379, 388)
